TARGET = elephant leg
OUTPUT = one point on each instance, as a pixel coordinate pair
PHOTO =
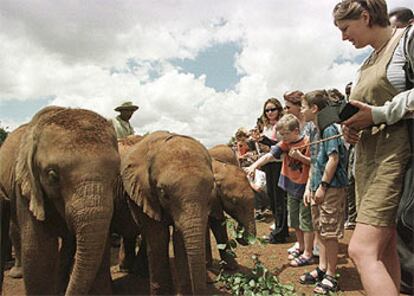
(126, 254)
(4, 225)
(158, 236)
(6, 242)
(181, 264)
(39, 258)
(103, 282)
(209, 255)
(220, 233)
(17, 270)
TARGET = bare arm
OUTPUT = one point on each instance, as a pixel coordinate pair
(328, 174)
(265, 159)
(296, 154)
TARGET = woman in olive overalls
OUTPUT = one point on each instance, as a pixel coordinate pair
(382, 151)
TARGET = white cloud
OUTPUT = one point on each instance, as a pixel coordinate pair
(79, 53)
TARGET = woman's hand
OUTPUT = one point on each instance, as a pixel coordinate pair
(361, 119)
(351, 135)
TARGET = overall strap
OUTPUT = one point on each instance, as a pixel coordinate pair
(409, 63)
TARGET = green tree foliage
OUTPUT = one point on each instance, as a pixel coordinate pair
(3, 134)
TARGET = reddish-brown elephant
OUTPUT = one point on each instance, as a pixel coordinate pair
(58, 171)
(236, 198)
(169, 181)
(224, 153)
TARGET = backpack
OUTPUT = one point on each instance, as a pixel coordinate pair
(405, 214)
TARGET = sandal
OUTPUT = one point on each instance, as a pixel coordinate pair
(295, 254)
(327, 285)
(301, 261)
(308, 279)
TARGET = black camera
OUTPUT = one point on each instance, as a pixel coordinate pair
(335, 113)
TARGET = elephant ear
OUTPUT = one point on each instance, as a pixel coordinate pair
(135, 171)
(27, 179)
(216, 205)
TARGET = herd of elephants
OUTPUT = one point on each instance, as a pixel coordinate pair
(66, 184)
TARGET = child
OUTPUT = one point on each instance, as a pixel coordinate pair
(243, 152)
(293, 178)
(326, 192)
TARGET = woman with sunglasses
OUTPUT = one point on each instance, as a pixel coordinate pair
(382, 151)
(272, 112)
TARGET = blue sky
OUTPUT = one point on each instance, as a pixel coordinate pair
(200, 68)
(217, 63)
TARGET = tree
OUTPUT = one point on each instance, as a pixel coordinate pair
(3, 135)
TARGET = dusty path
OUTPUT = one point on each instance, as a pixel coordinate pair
(273, 256)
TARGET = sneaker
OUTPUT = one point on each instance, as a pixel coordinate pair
(272, 227)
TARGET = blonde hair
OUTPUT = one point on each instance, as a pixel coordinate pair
(289, 122)
(352, 10)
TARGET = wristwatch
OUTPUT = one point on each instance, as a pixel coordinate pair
(324, 185)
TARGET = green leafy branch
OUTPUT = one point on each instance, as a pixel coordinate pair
(260, 281)
(3, 134)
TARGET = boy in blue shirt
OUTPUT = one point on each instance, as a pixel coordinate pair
(326, 193)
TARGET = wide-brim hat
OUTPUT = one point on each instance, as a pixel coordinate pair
(127, 106)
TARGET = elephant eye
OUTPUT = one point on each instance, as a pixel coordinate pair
(52, 176)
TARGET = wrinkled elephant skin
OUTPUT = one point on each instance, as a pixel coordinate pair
(234, 197)
(61, 182)
(224, 153)
(169, 181)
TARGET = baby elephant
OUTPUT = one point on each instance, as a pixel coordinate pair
(58, 171)
(236, 198)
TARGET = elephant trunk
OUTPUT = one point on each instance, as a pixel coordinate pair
(249, 225)
(194, 241)
(90, 213)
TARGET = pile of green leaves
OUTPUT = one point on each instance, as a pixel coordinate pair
(260, 281)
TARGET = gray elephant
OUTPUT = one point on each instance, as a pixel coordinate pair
(169, 181)
(236, 198)
(58, 171)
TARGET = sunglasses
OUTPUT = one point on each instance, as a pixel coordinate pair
(270, 110)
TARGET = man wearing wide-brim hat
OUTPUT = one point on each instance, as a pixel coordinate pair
(121, 123)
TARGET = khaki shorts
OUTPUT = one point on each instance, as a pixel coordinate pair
(328, 217)
(299, 216)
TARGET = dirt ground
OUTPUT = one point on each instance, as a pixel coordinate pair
(274, 258)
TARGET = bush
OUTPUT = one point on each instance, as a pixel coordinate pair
(3, 135)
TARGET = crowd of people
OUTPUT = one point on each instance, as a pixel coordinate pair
(320, 176)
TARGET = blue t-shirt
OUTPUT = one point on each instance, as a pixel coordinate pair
(320, 154)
